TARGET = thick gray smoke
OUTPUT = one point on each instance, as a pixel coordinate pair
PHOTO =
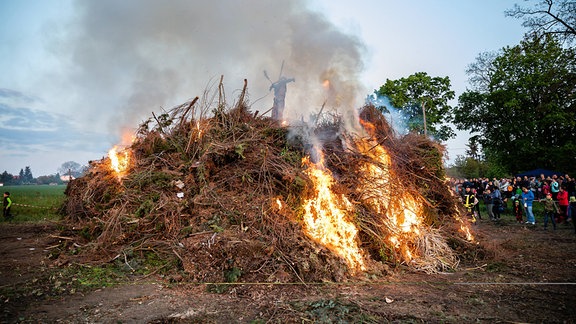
(128, 58)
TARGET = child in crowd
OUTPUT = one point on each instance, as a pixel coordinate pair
(550, 210)
(518, 211)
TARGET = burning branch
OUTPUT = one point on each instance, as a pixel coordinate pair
(325, 217)
(119, 161)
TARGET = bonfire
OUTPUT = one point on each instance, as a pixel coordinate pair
(231, 195)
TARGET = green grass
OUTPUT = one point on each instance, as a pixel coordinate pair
(537, 209)
(41, 202)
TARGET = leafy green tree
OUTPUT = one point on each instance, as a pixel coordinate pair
(548, 17)
(525, 111)
(28, 177)
(469, 168)
(20, 177)
(49, 179)
(473, 150)
(6, 178)
(423, 100)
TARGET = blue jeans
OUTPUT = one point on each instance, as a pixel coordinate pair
(530, 215)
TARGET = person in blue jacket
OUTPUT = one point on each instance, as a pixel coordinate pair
(527, 200)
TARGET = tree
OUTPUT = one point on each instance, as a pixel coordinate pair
(423, 100)
(549, 17)
(49, 179)
(473, 150)
(526, 113)
(28, 177)
(72, 168)
(6, 178)
(480, 71)
(20, 177)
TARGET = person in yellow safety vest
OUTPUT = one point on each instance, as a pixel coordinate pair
(7, 203)
(470, 201)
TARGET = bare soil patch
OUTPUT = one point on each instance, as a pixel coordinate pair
(520, 274)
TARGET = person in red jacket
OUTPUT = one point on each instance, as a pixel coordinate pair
(563, 204)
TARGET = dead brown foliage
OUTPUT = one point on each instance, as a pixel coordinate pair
(242, 183)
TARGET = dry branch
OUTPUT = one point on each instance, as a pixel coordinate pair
(233, 169)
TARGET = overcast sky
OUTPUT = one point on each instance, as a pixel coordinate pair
(75, 75)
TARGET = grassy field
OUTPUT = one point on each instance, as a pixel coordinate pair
(35, 202)
(508, 214)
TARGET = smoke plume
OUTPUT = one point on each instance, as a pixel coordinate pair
(128, 58)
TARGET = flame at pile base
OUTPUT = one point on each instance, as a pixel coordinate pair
(384, 193)
(325, 218)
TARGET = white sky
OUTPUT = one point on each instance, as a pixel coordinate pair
(63, 93)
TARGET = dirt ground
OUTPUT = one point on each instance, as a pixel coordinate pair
(524, 274)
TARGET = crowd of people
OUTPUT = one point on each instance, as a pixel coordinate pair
(557, 194)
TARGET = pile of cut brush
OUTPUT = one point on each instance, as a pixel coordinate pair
(220, 191)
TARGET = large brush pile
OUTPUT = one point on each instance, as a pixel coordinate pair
(220, 190)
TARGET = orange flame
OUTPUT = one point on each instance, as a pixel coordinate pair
(325, 217)
(399, 208)
(466, 230)
(120, 158)
(119, 161)
(128, 137)
(464, 227)
(199, 130)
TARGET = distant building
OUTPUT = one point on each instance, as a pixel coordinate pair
(67, 178)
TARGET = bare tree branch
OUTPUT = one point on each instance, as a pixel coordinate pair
(553, 17)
